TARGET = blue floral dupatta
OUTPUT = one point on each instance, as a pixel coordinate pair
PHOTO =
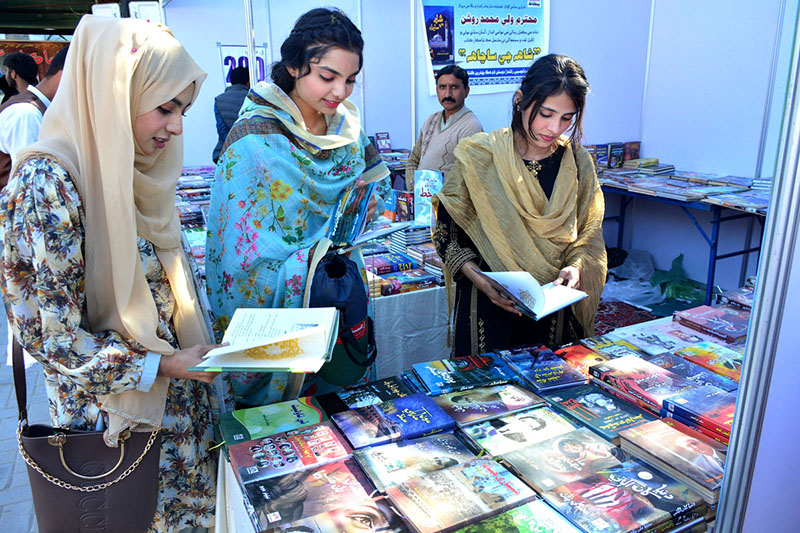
(276, 189)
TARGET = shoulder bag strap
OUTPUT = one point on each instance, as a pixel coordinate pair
(20, 386)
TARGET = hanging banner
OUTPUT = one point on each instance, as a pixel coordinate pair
(41, 51)
(235, 55)
(495, 42)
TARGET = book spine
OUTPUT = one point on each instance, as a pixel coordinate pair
(665, 413)
(681, 411)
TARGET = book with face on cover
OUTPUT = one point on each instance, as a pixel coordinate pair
(650, 336)
(611, 346)
(708, 406)
(407, 417)
(598, 410)
(694, 460)
(514, 431)
(725, 322)
(580, 357)
(368, 515)
(482, 403)
(459, 495)
(530, 297)
(396, 462)
(305, 493)
(257, 422)
(287, 451)
(275, 340)
(568, 457)
(533, 517)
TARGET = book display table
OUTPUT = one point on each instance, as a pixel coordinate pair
(712, 240)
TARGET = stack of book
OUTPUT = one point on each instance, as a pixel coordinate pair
(741, 298)
(422, 252)
(725, 322)
(658, 168)
(751, 200)
(696, 461)
(407, 281)
(414, 234)
(640, 162)
(387, 263)
(707, 409)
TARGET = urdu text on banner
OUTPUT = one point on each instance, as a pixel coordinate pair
(495, 42)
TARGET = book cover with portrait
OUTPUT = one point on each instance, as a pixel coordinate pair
(482, 403)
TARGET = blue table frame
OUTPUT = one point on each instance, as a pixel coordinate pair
(713, 240)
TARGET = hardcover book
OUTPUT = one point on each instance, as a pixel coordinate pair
(641, 379)
(693, 372)
(693, 429)
(611, 347)
(306, 493)
(580, 357)
(692, 460)
(388, 263)
(285, 452)
(715, 358)
(531, 298)
(629, 497)
(407, 281)
(275, 340)
(725, 322)
(257, 422)
(411, 416)
(483, 403)
(377, 391)
(462, 373)
(541, 368)
(568, 457)
(598, 410)
(368, 515)
(397, 462)
(512, 432)
(708, 406)
(533, 517)
(448, 499)
(741, 298)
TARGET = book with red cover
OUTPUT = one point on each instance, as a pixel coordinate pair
(693, 429)
(741, 298)
(708, 406)
(726, 322)
(580, 357)
(715, 358)
(641, 379)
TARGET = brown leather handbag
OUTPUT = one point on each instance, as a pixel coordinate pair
(79, 483)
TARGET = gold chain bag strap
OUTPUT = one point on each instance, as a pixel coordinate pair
(80, 484)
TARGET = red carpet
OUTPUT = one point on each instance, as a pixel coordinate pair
(615, 314)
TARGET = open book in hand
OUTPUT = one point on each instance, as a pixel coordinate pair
(275, 340)
(528, 296)
(349, 225)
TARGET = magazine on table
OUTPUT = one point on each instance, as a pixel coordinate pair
(275, 340)
(530, 298)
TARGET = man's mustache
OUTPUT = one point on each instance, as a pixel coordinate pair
(448, 99)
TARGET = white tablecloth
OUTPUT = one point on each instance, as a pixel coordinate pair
(410, 328)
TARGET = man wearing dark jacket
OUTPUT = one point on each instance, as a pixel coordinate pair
(227, 105)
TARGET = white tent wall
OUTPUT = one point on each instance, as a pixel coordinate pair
(689, 79)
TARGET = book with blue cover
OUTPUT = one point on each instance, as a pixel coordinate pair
(377, 391)
(462, 373)
(708, 406)
(396, 462)
(598, 410)
(407, 417)
(447, 499)
(541, 368)
(483, 403)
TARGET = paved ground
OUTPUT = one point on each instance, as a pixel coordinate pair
(16, 506)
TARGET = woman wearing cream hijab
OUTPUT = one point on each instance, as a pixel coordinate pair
(524, 198)
(92, 270)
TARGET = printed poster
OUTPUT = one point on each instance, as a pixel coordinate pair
(495, 42)
(235, 55)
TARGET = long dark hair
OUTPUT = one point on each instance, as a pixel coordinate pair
(550, 75)
(314, 33)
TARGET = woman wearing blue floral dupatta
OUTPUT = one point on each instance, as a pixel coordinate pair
(295, 149)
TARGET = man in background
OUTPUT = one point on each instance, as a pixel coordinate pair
(21, 71)
(442, 130)
(21, 115)
(227, 105)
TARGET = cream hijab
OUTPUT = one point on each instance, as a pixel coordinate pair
(115, 71)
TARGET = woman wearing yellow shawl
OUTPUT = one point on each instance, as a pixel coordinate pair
(524, 198)
(92, 270)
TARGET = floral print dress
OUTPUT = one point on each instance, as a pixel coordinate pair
(272, 200)
(42, 276)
